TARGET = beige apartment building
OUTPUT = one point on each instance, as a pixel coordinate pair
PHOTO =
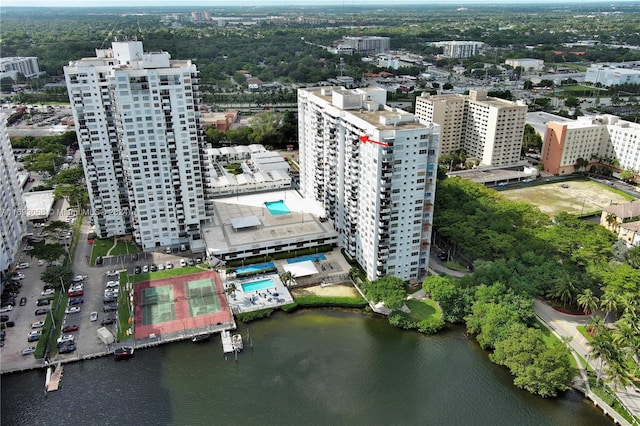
(489, 129)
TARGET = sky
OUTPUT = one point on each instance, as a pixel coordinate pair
(210, 4)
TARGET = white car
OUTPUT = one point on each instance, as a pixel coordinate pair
(113, 284)
(111, 293)
(112, 273)
(40, 262)
(94, 316)
(145, 269)
(160, 267)
(76, 287)
(23, 265)
(35, 333)
(7, 308)
(183, 262)
(72, 310)
(28, 351)
(47, 292)
(78, 278)
(168, 265)
(66, 338)
(37, 324)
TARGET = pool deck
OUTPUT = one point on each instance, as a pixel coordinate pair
(247, 301)
(301, 224)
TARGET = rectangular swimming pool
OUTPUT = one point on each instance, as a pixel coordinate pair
(277, 207)
(258, 285)
(311, 257)
(256, 267)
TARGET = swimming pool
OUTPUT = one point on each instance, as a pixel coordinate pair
(256, 267)
(311, 257)
(258, 285)
(277, 207)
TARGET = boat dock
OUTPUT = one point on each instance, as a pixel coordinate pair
(227, 343)
(54, 375)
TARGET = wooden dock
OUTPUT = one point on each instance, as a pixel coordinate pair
(227, 343)
(54, 376)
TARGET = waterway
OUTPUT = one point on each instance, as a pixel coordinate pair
(314, 367)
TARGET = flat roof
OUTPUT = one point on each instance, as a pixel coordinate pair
(299, 225)
(38, 204)
(538, 120)
(492, 175)
(300, 269)
(245, 222)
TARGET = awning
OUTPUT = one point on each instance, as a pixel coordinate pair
(300, 269)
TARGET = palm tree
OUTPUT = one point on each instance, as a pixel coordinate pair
(609, 303)
(231, 288)
(595, 325)
(287, 278)
(610, 218)
(602, 349)
(564, 291)
(588, 301)
(627, 336)
(616, 373)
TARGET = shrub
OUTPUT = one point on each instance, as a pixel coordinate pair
(427, 326)
(335, 302)
(254, 315)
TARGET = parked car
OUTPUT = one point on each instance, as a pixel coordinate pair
(23, 301)
(70, 328)
(94, 316)
(109, 300)
(75, 301)
(112, 273)
(137, 270)
(110, 308)
(37, 324)
(40, 262)
(145, 269)
(113, 284)
(153, 268)
(28, 350)
(42, 311)
(34, 336)
(198, 260)
(72, 310)
(183, 263)
(65, 338)
(167, 250)
(76, 287)
(75, 293)
(191, 262)
(107, 321)
(66, 348)
(8, 308)
(78, 278)
(24, 265)
(43, 302)
(48, 292)
(168, 265)
(4, 318)
(160, 267)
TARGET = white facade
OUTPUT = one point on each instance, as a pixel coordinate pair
(367, 44)
(609, 76)
(137, 119)
(488, 129)
(10, 67)
(459, 49)
(374, 169)
(13, 221)
(527, 64)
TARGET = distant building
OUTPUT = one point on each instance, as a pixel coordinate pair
(527, 64)
(624, 221)
(487, 128)
(367, 44)
(201, 16)
(11, 67)
(374, 169)
(459, 49)
(13, 223)
(609, 76)
(220, 120)
(605, 136)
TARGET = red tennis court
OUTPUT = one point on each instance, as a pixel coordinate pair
(180, 303)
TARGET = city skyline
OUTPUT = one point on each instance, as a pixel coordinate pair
(271, 3)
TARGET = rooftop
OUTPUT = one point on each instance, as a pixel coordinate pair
(624, 211)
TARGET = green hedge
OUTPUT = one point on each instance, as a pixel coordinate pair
(60, 300)
(330, 302)
(285, 255)
(254, 315)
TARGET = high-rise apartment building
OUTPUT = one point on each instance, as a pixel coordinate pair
(11, 67)
(489, 129)
(137, 120)
(367, 44)
(13, 221)
(374, 169)
(459, 49)
(588, 138)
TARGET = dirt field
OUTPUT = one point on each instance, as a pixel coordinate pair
(338, 290)
(578, 197)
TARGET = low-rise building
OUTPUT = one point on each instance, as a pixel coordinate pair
(611, 75)
(527, 64)
(624, 221)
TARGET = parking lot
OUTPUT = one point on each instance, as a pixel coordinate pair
(94, 284)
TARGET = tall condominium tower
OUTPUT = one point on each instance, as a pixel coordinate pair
(374, 169)
(137, 120)
(489, 129)
(13, 221)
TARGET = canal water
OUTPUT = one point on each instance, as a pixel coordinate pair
(314, 367)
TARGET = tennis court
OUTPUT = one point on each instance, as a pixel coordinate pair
(180, 303)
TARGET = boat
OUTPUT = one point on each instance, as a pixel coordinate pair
(237, 342)
(200, 337)
(124, 352)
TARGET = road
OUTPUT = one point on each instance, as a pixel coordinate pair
(566, 326)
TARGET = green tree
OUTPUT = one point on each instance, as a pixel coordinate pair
(56, 275)
(588, 301)
(608, 303)
(391, 290)
(47, 252)
(71, 176)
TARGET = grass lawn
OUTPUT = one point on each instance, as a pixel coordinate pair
(124, 247)
(582, 89)
(549, 338)
(423, 309)
(456, 266)
(583, 330)
(125, 309)
(581, 197)
(186, 270)
(100, 248)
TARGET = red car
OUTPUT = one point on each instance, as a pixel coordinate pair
(76, 293)
(70, 328)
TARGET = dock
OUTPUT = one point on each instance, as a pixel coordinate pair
(227, 343)
(54, 376)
